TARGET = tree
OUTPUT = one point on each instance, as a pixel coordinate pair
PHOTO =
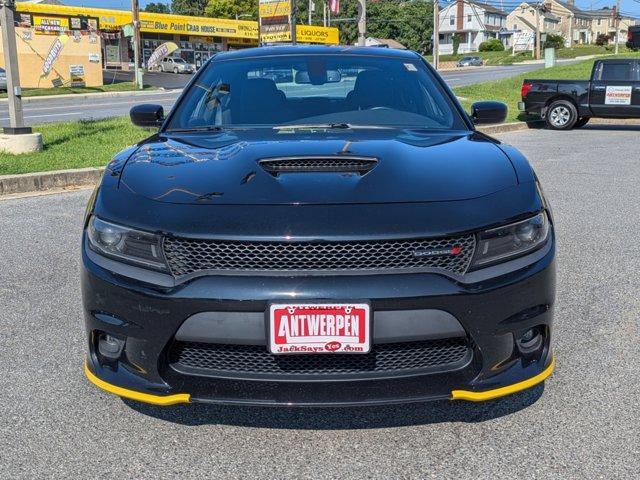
(232, 9)
(456, 43)
(157, 8)
(188, 7)
(408, 22)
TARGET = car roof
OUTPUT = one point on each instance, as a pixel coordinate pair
(616, 60)
(315, 50)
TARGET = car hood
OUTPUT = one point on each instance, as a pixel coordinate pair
(408, 166)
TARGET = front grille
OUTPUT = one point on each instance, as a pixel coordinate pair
(186, 256)
(256, 360)
(359, 165)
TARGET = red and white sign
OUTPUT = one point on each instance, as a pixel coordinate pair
(319, 328)
(618, 95)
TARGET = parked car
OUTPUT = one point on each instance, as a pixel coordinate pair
(3, 80)
(336, 242)
(470, 62)
(633, 37)
(612, 92)
(176, 65)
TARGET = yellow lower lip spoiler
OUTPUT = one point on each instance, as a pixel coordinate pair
(501, 392)
(163, 400)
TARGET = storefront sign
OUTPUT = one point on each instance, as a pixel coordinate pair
(51, 25)
(522, 41)
(275, 8)
(54, 53)
(161, 52)
(113, 53)
(275, 21)
(76, 72)
(113, 20)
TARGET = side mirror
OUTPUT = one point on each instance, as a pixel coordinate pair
(483, 113)
(147, 115)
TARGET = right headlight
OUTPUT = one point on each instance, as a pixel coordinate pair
(514, 240)
(126, 244)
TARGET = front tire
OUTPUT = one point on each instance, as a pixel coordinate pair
(561, 115)
(175, 70)
(582, 121)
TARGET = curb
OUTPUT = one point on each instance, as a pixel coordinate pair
(510, 127)
(84, 96)
(43, 181)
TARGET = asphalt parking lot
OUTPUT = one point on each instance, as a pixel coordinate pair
(583, 423)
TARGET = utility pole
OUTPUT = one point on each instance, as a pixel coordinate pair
(436, 34)
(311, 7)
(617, 25)
(292, 22)
(362, 22)
(135, 14)
(538, 7)
(14, 92)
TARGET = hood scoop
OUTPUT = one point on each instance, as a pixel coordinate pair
(309, 164)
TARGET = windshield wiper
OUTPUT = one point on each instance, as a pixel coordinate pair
(202, 128)
(315, 125)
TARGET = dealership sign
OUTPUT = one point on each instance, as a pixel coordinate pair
(618, 95)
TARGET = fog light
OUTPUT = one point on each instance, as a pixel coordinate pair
(110, 346)
(530, 340)
(528, 335)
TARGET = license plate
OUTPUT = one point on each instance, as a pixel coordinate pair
(319, 328)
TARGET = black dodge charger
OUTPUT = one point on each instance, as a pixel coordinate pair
(318, 226)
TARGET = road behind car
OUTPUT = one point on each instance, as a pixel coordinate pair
(582, 424)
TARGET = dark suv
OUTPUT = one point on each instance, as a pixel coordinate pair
(317, 238)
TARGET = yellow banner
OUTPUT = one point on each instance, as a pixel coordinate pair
(178, 24)
(53, 25)
(278, 8)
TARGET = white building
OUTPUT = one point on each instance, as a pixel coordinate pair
(474, 22)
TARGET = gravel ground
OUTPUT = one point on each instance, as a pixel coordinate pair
(582, 424)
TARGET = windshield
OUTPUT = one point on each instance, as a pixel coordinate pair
(325, 89)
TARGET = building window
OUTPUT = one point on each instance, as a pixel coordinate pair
(515, 26)
(598, 22)
(468, 18)
(452, 20)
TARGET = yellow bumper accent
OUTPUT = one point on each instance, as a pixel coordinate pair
(163, 400)
(501, 392)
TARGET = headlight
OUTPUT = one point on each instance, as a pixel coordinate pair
(126, 244)
(503, 243)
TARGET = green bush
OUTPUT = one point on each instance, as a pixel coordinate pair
(456, 42)
(491, 45)
(554, 41)
(603, 39)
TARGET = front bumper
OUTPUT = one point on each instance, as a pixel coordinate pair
(493, 312)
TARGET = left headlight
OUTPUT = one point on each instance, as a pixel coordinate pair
(126, 244)
(514, 240)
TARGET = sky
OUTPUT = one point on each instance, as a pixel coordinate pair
(628, 7)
